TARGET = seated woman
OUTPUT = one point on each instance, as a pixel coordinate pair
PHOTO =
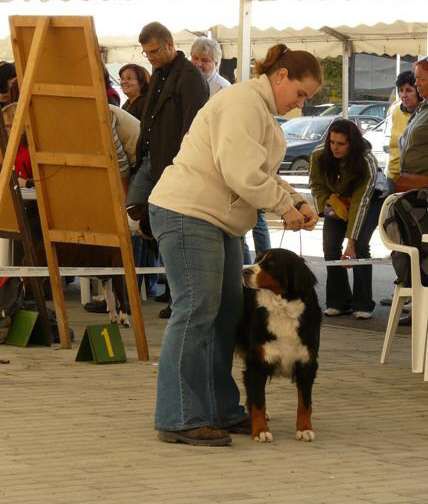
(348, 189)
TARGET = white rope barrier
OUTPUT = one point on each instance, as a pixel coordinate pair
(28, 271)
(34, 271)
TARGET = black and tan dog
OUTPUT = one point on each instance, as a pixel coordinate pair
(279, 335)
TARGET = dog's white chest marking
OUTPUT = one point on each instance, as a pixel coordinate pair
(283, 323)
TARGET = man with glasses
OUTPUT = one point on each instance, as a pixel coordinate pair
(177, 90)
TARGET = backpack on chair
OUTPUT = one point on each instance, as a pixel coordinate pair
(406, 222)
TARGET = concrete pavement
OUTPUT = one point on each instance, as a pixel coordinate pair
(80, 433)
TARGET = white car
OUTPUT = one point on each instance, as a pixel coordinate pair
(379, 138)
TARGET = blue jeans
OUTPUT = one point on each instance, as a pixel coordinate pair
(145, 256)
(261, 238)
(339, 294)
(203, 268)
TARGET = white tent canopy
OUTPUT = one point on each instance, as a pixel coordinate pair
(396, 38)
(297, 22)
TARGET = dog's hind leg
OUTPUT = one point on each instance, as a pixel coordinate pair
(255, 379)
(305, 376)
(119, 290)
(110, 300)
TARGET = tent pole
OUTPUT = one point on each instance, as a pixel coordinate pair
(346, 53)
(244, 40)
(347, 48)
(397, 72)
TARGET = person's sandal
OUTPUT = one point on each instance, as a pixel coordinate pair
(201, 436)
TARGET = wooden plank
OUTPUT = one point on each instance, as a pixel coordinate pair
(84, 238)
(9, 226)
(78, 160)
(8, 221)
(86, 203)
(55, 21)
(63, 90)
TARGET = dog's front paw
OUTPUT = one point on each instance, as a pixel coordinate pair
(263, 437)
(124, 319)
(125, 323)
(305, 435)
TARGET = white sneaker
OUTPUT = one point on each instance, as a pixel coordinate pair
(335, 312)
(363, 315)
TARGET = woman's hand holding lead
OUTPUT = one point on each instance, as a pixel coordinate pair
(293, 219)
(310, 217)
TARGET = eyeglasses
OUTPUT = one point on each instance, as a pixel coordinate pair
(152, 52)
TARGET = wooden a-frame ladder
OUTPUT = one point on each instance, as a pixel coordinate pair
(64, 109)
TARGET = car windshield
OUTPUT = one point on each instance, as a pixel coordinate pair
(356, 109)
(333, 110)
(379, 127)
(306, 128)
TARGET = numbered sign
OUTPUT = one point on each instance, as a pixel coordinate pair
(26, 329)
(102, 344)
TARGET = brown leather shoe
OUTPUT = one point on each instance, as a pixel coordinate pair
(201, 436)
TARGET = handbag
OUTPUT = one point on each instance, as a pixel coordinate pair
(407, 181)
(337, 207)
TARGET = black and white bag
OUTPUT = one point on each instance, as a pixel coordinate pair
(406, 222)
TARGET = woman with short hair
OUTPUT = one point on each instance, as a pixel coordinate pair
(134, 81)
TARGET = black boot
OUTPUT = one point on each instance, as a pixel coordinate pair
(165, 313)
(166, 296)
(406, 320)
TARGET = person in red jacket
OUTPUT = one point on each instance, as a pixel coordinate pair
(23, 165)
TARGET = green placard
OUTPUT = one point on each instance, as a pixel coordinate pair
(102, 344)
(26, 329)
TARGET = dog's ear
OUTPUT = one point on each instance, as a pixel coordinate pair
(298, 280)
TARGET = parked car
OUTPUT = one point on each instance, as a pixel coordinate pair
(315, 110)
(280, 119)
(370, 108)
(305, 134)
(379, 137)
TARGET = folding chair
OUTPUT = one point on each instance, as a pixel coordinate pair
(417, 293)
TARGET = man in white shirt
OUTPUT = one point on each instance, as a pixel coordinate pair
(206, 55)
